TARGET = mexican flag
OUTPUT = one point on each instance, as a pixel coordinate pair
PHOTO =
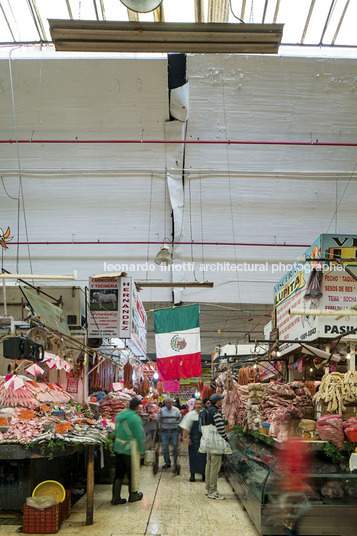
(178, 345)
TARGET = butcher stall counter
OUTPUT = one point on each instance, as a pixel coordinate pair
(252, 472)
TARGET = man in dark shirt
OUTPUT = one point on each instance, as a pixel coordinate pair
(214, 461)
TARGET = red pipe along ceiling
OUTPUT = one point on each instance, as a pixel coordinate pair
(99, 242)
(189, 142)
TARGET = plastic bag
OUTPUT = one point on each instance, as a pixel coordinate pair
(212, 442)
(40, 503)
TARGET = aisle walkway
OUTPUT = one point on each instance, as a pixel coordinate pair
(171, 506)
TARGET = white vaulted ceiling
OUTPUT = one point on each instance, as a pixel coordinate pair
(246, 194)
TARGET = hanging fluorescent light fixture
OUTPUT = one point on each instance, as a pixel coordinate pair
(141, 6)
(164, 258)
(164, 37)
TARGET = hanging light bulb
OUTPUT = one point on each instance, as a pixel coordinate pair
(164, 256)
(156, 375)
(255, 366)
(278, 354)
(311, 369)
(348, 356)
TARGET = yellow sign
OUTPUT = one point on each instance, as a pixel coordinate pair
(290, 288)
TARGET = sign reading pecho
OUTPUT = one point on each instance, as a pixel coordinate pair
(320, 284)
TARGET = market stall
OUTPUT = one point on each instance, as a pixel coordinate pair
(309, 393)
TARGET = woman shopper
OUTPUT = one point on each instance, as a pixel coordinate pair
(129, 446)
(192, 436)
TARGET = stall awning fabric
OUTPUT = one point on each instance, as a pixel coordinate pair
(178, 345)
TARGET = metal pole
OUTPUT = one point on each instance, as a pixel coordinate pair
(90, 484)
(4, 293)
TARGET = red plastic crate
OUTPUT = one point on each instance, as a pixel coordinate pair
(65, 507)
(352, 435)
(45, 521)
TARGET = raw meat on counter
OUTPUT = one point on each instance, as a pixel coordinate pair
(284, 422)
(330, 429)
(152, 410)
(332, 490)
(114, 403)
(350, 424)
(23, 431)
(285, 395)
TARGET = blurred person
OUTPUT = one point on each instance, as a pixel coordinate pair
(129, 447)
(192, 436)
(184, 410)
(191, 403)
(206, 403)
(214, 461)
(169, 418)
(203, 417)
(293, 464)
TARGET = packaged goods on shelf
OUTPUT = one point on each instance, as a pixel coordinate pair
(254, 414)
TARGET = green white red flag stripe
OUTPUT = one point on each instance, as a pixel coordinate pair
(178, 345)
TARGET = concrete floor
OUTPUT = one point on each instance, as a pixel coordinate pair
(171, 506)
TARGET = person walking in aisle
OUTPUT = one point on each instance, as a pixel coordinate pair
(192, 436)
(129, 447)
(214, 461)
(169, 418)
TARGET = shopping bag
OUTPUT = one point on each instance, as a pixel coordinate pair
(212, 442)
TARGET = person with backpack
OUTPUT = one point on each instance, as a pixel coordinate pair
(192, 436)
(214, 419)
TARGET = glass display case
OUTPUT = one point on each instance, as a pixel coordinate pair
(252, 470)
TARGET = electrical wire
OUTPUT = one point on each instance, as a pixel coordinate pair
(229, 178)
(21, 192)
(191, 231)
(343, 195)
(201, 212)
(18, 226)
(234, 15)
(149, 226)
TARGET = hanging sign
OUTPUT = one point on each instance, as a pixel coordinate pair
(72, 385)
(318, 285)
(116, 311)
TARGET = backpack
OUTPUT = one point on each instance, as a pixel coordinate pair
(202, 419)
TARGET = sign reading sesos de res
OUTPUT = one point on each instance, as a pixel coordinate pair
(337, 290)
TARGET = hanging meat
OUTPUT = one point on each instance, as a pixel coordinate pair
(128, 376)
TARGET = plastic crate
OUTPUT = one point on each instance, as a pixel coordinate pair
(45, 521)
(352, 435)
(65, 507)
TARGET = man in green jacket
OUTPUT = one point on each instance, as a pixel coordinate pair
(129, 446)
